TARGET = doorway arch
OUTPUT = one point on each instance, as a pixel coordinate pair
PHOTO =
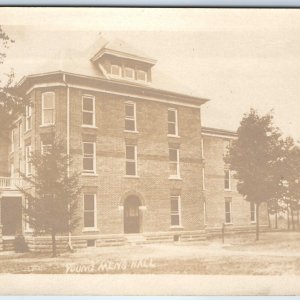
(132, 215)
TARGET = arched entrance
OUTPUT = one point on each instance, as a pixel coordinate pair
(132, 217)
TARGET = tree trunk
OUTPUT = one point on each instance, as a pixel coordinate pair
(269, 220)
(292, 216)
(298, 218)
(53, 244)
(257, 221)
(288, 216)
(276, 219)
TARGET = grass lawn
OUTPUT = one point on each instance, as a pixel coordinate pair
(277, 253)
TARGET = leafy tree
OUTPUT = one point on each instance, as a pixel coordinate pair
(11, 104)
(52, 200)
(4, 43)
(289, 172)
(252, 156)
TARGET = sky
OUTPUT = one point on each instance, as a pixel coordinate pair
(237, 58)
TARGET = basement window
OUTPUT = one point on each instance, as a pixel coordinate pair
(91, 243)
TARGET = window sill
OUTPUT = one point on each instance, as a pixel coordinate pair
(89, 126)
(228, 223)
(227, 190)
(90, 229)
(253, 222)
(131, 176)
(89, 174)
(174, 178)
(46, 125)
(131, 131)
(173, 136)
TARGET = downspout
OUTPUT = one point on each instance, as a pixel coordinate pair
(68, 153)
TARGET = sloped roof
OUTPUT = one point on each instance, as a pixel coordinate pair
(219, 132)
(79, 62)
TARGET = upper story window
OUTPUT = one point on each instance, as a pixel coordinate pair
(172, 122)
(88, 110)
(129, 73)
(141, 75)
(175, 211)
(48, 108)
(131, 160)
(252, 212)
(174, 163)
(89, 158)
(228, 217)
(115, 70)
(28, 160)
(227, 180)
(130, 116)
(28, 117)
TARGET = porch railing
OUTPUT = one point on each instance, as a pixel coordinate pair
(10, 182)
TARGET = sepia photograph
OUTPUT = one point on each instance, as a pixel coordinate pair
(149, 151)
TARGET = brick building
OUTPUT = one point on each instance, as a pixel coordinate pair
(147, 165)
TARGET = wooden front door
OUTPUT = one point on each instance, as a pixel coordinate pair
(131, 215)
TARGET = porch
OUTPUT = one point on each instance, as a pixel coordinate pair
(11, 201)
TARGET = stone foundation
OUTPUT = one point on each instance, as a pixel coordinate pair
(44, 243)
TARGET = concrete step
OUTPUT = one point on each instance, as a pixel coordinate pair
(135, 239)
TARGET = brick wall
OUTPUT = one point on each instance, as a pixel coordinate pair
(214, 150)
(153, 185)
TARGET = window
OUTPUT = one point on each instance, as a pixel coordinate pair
(226, 147)
(130, 116)
(172, 122)
(48, 108)
(89, 157)
(89, 211)
(141, 75)
(28, 115)
(20, 134)
(253, 212)
(227, 180)
(129, 73)
(228, 210)
(131, 160)
(203, 178)
(174, 163)
(46, 148)
(175, 211)
(27, 160)
(12, 141)
(115, 70)
(88, 110)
